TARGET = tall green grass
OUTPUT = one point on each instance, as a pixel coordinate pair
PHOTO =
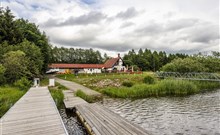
(57, 94)
(8, 96)
(161, 88)
(81, 94)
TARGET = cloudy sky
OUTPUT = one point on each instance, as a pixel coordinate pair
(116, 26)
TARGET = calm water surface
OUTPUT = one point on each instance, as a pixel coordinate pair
(194, 115)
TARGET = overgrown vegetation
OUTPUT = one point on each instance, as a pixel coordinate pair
(162, 88)
(127, 83)
(8, 96)
(143, 85)
(57, 94)
(193, 64)
(149, 79)
(81, 94)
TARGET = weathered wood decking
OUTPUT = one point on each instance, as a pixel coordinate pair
(70, 101)
(101, 121)
(35, 113)
(75, 86)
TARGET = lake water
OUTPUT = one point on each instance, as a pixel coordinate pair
(193, 115)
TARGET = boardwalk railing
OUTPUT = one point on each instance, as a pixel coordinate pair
(190, 76)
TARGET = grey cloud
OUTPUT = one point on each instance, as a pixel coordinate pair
(204, 34)
(90, 18)
(129, 13)
(180, 24)
(127, 24)
(150, 29)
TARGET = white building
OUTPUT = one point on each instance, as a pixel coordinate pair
(111, 65)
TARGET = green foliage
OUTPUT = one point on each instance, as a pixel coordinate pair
(8, 96)
(33, 55)
(71, 55)
(16, 65)
(149, 79)
(148, 60)
(19, 34)
(84, 96)
(44, 81)
(184, 65)
(23, 84)
(57, 95)
(2, 72)
(127, 83)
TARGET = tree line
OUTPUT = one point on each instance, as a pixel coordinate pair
(24, 49)
(80, 56)
(147, 60)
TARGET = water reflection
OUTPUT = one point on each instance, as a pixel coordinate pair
(194, 115)
(72, 124)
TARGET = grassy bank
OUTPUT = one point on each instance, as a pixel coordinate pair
(57, 94)
(81, 94)
(141, 86)
(101, 81)
(8, 96)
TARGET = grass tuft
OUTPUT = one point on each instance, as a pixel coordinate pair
(81, 94)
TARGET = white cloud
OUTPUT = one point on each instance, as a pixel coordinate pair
(119, 25)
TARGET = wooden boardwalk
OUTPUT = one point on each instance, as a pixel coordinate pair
(99, 120)
(75, 86)
(35, 113)
(70, 101)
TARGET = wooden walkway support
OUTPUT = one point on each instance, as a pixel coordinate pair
(35, 113)
(70, 101)
(99, 120)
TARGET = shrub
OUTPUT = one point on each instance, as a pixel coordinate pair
(128, 83)
(23, 84)
(149, 79)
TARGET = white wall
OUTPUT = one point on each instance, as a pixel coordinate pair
(92, 70)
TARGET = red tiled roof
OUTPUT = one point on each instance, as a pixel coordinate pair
(62, 65)
(111, 62)
(108, 64)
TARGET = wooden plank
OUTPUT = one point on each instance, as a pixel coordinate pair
(35, 113)
(106, 122)
(70, 101)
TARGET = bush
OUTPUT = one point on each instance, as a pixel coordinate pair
(23, 84)
(127, 83)
(149, 79)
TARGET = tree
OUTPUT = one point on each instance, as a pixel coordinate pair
(184, 66)
(33, 55)
(8, 29)
(16, 64)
